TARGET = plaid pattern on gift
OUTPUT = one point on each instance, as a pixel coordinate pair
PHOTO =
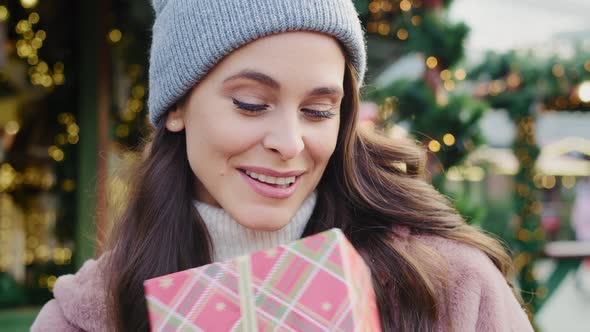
(318, 283)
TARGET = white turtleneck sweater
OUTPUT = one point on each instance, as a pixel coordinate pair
(231, 239)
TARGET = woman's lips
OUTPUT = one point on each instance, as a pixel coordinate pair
(268, 190)
(267, 171)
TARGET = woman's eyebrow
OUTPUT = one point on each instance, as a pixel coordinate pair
(272, 83)
(326, 91)
(255, 76)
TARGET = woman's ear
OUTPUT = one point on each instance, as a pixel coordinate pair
(175, 120)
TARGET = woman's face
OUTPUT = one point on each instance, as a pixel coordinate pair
(262, 125)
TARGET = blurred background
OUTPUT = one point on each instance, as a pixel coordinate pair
(497, 91)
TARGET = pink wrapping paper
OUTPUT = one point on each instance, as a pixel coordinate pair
(319, 283)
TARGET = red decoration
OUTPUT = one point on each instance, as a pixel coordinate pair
(433, 3)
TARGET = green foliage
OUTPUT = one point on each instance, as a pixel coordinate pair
(133, 19)
(473, 212)
(362, 6)
(415, 102)
(464, 199)
(551, 82)
(430, 112)
(437, 36)
(12, 292)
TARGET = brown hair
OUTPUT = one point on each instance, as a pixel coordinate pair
(373, 189)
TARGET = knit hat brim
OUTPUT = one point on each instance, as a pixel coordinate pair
(191, 37)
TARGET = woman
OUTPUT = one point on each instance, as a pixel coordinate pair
(254, 105)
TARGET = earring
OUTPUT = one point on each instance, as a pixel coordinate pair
(173, 123)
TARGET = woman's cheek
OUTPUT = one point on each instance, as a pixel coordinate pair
(323, 141)
(236, 137)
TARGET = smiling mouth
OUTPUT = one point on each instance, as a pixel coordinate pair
(277, 182)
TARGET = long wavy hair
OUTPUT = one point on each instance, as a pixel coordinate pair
(373, 189)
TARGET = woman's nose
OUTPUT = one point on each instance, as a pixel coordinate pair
(285, 137)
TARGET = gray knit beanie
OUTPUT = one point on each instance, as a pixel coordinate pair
(192, 36)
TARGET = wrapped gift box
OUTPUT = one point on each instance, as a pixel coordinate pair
(318, 283)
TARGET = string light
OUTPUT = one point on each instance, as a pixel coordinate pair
(568, 182)
(34, 18)
(513, 80)
(434, 146)
(8, 177)
(557, 70)
(405, 5)
(542, 292)
(374, 7)
(474, 174)
(431, 62)
(536, 207)
(4, 14)
(122, 130)
(57, 154)
(29, 257)
(584, 92)
(387, 108)
(538, 181)
(36, 220)
(465, 173)
(138, 92)
(68, 185)
(73, 139)
(445, 74)
(42, 253)
(449, 139)
(42, 281)
(51, 282)
(11, 127)
(497, 87)
(28, 3)
(41, 34)
(449, 85)
(454, 174)
(416, 20)
(28, 48)
(548, 181)
(115, 35)
(460, 74)
(386, 6)
(62, 256)
(522, 190)
(402, 34)
(384, 29)
(71, 127)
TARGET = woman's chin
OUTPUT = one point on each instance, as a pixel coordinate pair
(266, 223)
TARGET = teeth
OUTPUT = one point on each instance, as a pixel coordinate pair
(280, 182)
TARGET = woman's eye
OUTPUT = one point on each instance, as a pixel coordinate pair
(252, 108)
(259, 108)
(317, 114)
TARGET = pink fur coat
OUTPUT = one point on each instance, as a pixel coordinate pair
(480, 299)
